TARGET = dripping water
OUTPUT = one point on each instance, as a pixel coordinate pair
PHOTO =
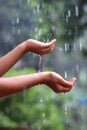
(65, 109)
(41, 63)
(41, 60)
(66, 45)
(41, 68)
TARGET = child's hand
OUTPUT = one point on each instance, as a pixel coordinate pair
(57, 83)
(38, 47)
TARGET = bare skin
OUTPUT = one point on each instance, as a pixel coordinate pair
(12, 85)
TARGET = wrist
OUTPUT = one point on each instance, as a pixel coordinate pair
(27, 45)
(45, 77)
(23, 47)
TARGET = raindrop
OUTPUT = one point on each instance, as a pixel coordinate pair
(40, 20)
(44, 121)
(41, 100)
(28, 1)
(38, 8)
(74, 46)
(43, 114)
(69, 13)
(65, 74)
(77, 67)
(60, 49)
(67, 18)
(66, 110)
(41, 65)
(17, 20)
(77, 11)
(66, 47)
(81, 46)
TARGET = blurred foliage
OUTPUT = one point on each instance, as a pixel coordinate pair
(39, 107)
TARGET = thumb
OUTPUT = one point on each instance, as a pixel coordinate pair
(73, 80)
(53, 41)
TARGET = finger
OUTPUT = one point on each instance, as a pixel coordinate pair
(66, 83)
(50, 44)
(60, 89)
(65, 89)
(53, 41)
(56, 89)
(73, 80)
(69, 85)
(47, 50)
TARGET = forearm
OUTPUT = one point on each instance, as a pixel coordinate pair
(30, 45)
(7, 61)
(12, 85)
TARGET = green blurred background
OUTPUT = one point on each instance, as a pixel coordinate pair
(39, 108)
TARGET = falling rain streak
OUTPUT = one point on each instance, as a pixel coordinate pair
(65, 74)
(69, 13)
(41, 64)
(17, 20)
(77, 48)
(77, 11)
(66, 47)
(81, 47)
(28, 2)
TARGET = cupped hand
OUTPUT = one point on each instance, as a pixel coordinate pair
(38, 47)
(58, 84)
